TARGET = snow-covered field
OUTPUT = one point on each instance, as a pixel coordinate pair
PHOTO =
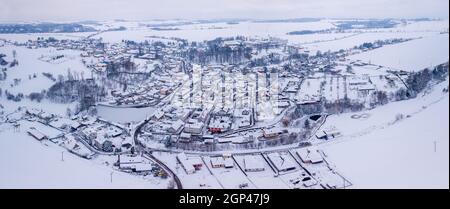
(32, 61)
(413, 55)
(376, 152)
(357, 39)
(201, 32)
(21, 38)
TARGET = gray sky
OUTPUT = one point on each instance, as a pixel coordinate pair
(71, 10)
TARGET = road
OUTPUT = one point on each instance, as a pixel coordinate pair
(147, 152)
(167, 169)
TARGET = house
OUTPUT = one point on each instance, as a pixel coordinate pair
(283, 104)
(223, 140)
(148, 56)
(328, 134)
(36, 134)
(208, 139)
(190, 165)
(71, 144)
(133, 163)
(217, 162)
(158, 115)
(228, 162)
(195, 128)
(244, 122)
(185, 137)
(321, 135)
(365, 89)
(282, 162)
(141, 167)
(219, 124)
(103, 144)
(176, 126)
(253, 163)
(165, 91)
(309, 156)
(63, 123)
(273, 132)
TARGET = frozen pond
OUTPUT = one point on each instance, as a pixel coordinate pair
(124, 115)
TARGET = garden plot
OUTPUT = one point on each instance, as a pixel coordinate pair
(388, 83)
(368, 69)
(334, 88)
(315, 164)
(300, 180)
(229, 178)
(310, 89)
(259, 171)
(200, 179)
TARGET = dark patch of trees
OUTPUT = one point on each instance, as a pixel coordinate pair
(44, 28)
(86, 92)
(418, 81)
(379, 98)
(49, 76)
(216, 52)
(36, 96)
(12, 97)
(342, 106)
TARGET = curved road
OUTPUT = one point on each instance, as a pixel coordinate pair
(147, 153)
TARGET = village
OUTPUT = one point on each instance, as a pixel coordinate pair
(234, 112)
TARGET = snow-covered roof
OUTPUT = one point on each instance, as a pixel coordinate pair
(253, 162)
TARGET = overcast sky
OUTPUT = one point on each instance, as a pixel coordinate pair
(71, 10)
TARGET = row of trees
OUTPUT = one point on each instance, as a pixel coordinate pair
(418, 81)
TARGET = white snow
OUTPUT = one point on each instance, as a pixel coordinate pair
(27, 163)
(413, 55)
(375, 154)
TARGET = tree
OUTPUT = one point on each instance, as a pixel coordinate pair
(286, 121)
(307, 124)
(68, 112)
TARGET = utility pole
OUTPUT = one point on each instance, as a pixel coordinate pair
(62, 156)
(112, 175)
(435, 146)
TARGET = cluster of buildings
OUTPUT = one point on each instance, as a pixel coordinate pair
(104, 136)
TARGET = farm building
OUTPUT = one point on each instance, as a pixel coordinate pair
(36, 134)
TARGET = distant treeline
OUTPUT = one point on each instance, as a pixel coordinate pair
(45, 28)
